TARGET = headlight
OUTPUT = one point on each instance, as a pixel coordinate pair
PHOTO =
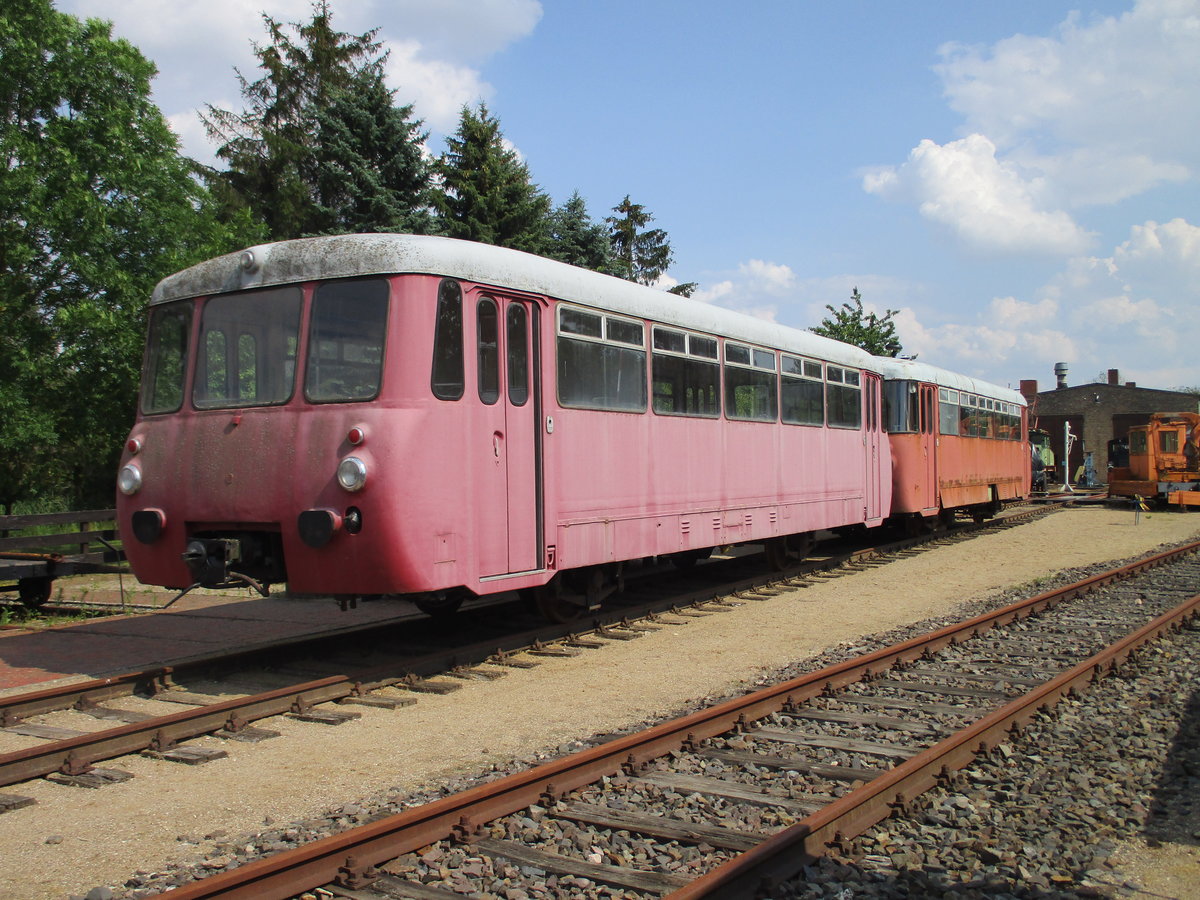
(352, 473)
(129, 479)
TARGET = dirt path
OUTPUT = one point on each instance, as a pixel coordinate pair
(76, 839)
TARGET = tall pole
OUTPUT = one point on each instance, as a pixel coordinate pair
(1068, 440)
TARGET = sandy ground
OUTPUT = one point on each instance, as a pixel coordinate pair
(76, 839)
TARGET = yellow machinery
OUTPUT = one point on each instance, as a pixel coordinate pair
(1164, 461)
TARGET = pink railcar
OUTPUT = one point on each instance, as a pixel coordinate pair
(958, 444)
(391, 414)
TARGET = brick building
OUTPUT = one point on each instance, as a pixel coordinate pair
(1099, 413)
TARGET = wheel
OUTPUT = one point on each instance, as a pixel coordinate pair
(777, 553)
(557, 604)
(34, 592)
(799, 546)
(687, 559)
(441, 604)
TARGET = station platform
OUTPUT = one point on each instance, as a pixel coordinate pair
(200, 625)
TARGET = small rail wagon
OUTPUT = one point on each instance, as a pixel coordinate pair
(1164, 461)
(392, 414)
(957, 444)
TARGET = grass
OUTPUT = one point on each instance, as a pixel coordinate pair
(16, 615)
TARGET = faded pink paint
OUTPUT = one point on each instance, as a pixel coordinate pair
(451, 492)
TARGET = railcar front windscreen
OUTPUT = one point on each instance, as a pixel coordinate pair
(247, 354)
(345, 341)
(166, 358)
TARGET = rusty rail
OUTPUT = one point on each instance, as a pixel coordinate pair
(350, 856)
(783, 854)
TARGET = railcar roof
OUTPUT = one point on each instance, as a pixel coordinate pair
(351, 255)
(897, 369)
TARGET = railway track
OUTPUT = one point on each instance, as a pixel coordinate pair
(226, 695)
(745, 793)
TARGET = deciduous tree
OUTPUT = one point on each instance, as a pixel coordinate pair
(852, 324)
(96, 205)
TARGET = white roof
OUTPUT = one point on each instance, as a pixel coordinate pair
(350, 255)
(911, 369)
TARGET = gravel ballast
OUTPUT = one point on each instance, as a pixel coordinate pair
(273, 795)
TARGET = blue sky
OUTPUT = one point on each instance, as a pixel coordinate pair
(1021, 180)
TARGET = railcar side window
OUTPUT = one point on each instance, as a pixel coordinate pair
(247, 349)
(345, 341)
(488, 328)
(601, 361)
(518, 354)
(448, 380)
(844, 397)
(1168, 441)
(947, 411)
(751, 387)
(166, 358)
(899, 407)
(685, 374)
(802, 391)
(1137, 442)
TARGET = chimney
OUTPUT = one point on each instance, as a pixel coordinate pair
(1029, 389)
(1131, 384)
(1114, 377)
(1060, 372)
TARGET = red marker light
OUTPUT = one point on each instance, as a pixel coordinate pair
(133, 445)
(356, 436)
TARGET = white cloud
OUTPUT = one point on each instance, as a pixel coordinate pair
(1110, 81)
(1109, 100)
(1175, 244)
(1133, 310)
(460, 31)
(737, 294)
(985, 202)
(436, 48)
(999, 339)
(437, 89)
(1014, 314)
(1100, 111)
(770, 277)
(715, 293)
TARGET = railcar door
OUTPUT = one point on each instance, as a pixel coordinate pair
(509, 519)
(929, 436)
(873, 444)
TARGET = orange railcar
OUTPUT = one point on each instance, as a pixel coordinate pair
(958, 444)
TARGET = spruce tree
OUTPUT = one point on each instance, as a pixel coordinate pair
(269, 145)
(367, 170)
(576, 239)
(486, 192)
(642, 255)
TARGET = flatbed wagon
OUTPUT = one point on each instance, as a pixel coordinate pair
(37, 549)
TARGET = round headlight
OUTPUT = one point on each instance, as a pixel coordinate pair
(352, 473)
(129, 479)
